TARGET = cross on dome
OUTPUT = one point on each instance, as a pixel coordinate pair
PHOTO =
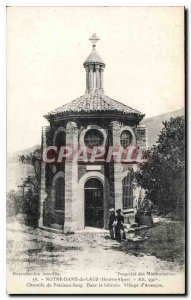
(94, 39)
(94, 67)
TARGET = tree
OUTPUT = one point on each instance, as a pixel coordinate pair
(14, 203)
(163, 175)
(30, 189)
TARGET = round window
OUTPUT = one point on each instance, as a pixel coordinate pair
(93, 137)
(126, 139)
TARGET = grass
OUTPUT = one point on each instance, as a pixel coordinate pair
(164, 240)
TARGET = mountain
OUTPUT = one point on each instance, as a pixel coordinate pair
(17, 170)
(154, 124)
(14, 156)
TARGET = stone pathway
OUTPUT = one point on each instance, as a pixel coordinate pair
(39, 250)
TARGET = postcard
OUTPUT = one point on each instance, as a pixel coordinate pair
(95, 150)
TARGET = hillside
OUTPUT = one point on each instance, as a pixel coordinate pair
(154, 124)
(16, 170)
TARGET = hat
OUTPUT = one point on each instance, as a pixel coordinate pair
(118, 210)
(111, 210)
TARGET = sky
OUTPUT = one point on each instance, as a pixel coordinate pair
(143, 48)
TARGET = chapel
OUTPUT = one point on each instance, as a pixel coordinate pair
(78, 193)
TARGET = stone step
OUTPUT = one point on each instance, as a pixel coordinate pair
(53, 230)
(56, 226)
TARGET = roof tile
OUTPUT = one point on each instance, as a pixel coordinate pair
(93, 102)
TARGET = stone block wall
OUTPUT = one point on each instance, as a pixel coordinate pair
(43, 191)
(71, 180)
(141, 135)
(74, 172)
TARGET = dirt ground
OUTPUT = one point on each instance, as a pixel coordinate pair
(158, 248)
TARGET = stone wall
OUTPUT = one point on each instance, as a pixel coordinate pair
(71, 180)
(112, 172)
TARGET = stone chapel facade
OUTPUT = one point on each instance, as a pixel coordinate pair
(75, 194)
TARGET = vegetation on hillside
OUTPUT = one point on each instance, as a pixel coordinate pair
(163, 175)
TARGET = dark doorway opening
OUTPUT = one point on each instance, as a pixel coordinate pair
(94, 203)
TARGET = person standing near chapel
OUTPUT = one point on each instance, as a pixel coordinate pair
(112, 219)
(119, 229)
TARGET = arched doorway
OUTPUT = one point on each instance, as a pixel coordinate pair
(94, 210)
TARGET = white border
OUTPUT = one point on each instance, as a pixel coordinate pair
(3, 4)
(96, 3)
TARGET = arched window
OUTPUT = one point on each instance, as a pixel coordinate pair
(93, 137)
(60, 139)
(126, 138)
(127, 192)
(60, 194)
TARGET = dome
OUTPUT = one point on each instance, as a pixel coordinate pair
(94, 58)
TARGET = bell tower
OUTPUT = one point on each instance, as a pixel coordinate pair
(94, 67)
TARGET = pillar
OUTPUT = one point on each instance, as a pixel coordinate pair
(91, 78)
(87, 79)
(118, 169)
(71, 179)
(43, 193)
(101, 77)
(97, 67)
